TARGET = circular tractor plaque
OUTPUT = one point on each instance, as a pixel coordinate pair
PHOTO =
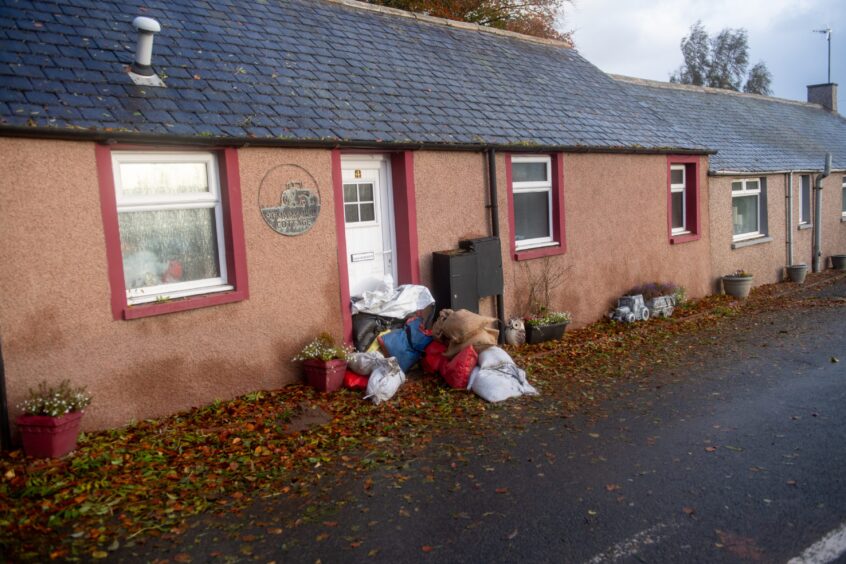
(289, 199)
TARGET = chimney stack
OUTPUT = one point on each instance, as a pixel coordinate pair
(824, 94)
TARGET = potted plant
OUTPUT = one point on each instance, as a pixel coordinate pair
(49, 424)
(546, 326)
(324, 362)
(838, 262)
(738, 284)
(797, 272)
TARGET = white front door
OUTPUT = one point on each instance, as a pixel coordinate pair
(369, 222)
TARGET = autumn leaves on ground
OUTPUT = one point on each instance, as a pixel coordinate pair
(145, 480)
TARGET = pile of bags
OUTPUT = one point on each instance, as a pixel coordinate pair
(464, 352)
(389, 329)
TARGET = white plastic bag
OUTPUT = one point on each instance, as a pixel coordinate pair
(385, 380)
(364, 363)
(492, 357)
(398, 303)
(499, 384)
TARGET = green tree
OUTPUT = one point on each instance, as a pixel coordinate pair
(720, 61)
(532, 17)
(759, 79)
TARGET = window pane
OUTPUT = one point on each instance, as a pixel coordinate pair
(149, 179)
(531, 215)
(805, 205)
(365, 192)
(678, 210)
(735, 186)
(844, 199)
(161, 247)
(677, 176)
(753, 185)
(528, 172)
(351, 213)
(367, 212)
(745, 214)
(349, 193)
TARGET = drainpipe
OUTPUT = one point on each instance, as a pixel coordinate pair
(789, 217)
(818, 212)
(5, 428)
(494, 207)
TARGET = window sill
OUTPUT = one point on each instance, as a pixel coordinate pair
(750, 242)
(804, 226)
(182, 304)
(686, 237)
(538, 252)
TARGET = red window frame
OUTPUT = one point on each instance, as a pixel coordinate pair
(558, 223)
(233, 232)
(692, 207)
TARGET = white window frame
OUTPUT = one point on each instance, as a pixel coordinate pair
(843, 199)
(535, 186)
(195, 200)
(746, 191)
(675, 189)
(802, 211)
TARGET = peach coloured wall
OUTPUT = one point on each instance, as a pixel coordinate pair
(833, 224)
(55, 315)
(611, 247)
(803, 239)
(766, 260)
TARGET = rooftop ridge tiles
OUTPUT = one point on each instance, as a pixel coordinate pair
(706, 89)
(469, 26)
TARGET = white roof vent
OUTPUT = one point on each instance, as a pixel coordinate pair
(141, 71)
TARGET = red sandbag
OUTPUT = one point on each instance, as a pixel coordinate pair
(355, 381)
(433, 359)
(457, 373)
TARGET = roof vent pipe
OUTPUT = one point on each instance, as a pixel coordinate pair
(144, 51)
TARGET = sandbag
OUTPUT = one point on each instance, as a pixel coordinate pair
(355, 381)
(418, 336)
(457, 372)
(493, 357)
(396, 344)
(459, 325)
(433, 358)
(480, 340)
(363, 363)
(385, 380)
(389, 302)
(367, 326)
(499, 384)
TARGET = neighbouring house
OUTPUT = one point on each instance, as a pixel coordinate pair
(187, 201)
(769, 153)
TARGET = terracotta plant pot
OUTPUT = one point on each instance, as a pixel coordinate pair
(797, 273)
(325, 375)
(838, 262)
(540, 333)
(738, 286)
(49, 437)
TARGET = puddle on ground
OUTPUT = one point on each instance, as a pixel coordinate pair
(308, 417)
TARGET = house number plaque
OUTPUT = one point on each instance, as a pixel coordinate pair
(289, 200)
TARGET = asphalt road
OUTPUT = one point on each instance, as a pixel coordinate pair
(737, 455)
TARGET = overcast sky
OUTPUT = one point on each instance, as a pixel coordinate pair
(641, 37)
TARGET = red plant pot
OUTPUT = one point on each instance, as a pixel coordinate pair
(49, 437)
(325, 375)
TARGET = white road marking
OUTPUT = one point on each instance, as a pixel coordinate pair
(632, 545)
(827, 549)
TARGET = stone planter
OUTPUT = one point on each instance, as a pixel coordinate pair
(797, 273)
(325, 375)
(738, 286)
(44, 436)
(838, 262)
(539, 333)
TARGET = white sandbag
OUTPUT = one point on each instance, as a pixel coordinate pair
(472, 378)
(398, 303)
(493, 357)
(384, 381)
(364, 363)
(499, 384)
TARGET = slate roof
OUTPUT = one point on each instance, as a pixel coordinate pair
(298, 70)
(751, 133)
